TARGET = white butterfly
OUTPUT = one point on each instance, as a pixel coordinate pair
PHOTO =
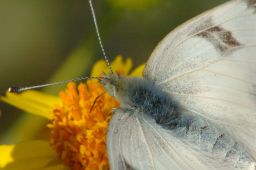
(195, 108)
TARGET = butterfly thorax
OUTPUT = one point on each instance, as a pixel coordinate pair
(143, 94)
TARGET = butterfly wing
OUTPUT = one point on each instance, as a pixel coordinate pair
(135, 141)
(208, 65)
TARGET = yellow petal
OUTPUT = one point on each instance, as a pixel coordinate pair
(29, 155)
(5, 156)
(138, 71)
(119, 65)
(99, 68)
(33, 102)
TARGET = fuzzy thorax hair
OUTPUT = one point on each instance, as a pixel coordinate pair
(142, 94)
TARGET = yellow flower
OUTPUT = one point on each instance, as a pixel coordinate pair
(78, 123)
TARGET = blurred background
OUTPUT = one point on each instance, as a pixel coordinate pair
(50, 40)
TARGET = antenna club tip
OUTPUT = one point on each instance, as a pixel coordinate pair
(14, 89)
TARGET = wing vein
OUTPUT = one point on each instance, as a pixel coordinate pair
(170, 79)
(145, 141)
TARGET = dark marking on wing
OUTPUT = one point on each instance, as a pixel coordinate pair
(251, 4)
(221, 38)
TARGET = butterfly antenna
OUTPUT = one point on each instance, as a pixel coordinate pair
(99, 37)
(22, 89)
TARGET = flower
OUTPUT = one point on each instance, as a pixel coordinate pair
(79, 126)
(78, 120)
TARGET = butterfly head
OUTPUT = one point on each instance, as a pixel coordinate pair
(112, 83)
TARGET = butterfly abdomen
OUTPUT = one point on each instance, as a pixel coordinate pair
(211, 139)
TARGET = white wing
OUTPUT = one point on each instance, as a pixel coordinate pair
(135, 141)
(209, 64)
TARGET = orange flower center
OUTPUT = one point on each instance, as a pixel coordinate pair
(79, 127)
